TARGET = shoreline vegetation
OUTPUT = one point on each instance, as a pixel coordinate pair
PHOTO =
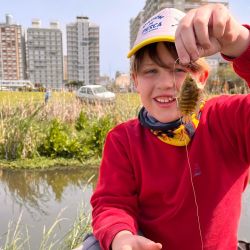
(65, 132)
(44, 163)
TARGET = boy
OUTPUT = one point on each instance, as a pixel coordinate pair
(178, 184)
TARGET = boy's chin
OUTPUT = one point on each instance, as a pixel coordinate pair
(168, 119)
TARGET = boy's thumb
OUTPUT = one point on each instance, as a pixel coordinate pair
(153, 246)
(159, 245)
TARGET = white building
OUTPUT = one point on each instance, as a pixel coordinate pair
(12, 51)
(83, 55)
(15, 84)
(45, 55)
(135, 24)
(123, 82)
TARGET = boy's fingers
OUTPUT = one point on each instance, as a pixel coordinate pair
(200, 24)
(181, 50)
(199, 32)
(220, 18)
(153, 246)
(189, 42)
(159, 245)
(126, 247)
(183, 35)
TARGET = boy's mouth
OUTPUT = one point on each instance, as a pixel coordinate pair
(165, 99)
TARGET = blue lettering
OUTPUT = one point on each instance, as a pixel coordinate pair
(152, 26)
(152, 19)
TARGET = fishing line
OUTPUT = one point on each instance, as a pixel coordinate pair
(188, 158)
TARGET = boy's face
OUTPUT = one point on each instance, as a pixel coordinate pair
(158, 86)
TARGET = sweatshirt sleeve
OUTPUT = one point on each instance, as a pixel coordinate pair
(114, 201)
(228, 119)
(241, 64)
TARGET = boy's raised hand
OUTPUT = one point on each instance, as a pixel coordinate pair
(127, 241)
(207, 30)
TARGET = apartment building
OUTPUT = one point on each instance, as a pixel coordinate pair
(83, 51)
(135, 25)
(12, 51)
(65, 68)
(45, 55)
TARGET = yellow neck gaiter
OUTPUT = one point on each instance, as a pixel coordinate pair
(176, 133)
(182, 135)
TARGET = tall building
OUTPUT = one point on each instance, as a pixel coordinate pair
(65, 68)
(83, 55)
(45, 55)
(12, 51)
(135, 25)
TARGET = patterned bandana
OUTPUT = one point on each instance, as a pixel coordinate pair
(175, 133)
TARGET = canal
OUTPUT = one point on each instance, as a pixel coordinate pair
(42, 197)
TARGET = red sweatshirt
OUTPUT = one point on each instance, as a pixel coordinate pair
(145, 183)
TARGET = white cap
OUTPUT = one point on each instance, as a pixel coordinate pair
(160, 27)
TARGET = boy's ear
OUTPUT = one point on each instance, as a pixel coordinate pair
(135, 80)
(203, 77)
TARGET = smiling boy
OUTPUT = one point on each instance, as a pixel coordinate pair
(179, 184)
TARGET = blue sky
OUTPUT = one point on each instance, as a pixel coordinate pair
(111, 15)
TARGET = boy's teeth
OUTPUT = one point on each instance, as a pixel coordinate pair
(164, 100)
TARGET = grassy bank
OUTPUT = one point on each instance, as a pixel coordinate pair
(45, 163)
(65, 132)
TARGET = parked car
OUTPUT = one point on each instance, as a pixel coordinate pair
(95, 93)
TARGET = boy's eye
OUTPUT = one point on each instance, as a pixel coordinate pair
(150, 71)
(179, 70)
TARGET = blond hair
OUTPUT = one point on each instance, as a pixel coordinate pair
(199, 66)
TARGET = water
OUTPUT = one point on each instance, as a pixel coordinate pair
(40, 196)
(244, 230)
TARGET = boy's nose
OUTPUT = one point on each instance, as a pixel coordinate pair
(166, 80)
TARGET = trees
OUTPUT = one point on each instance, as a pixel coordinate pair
(224, 79)
(74, 84)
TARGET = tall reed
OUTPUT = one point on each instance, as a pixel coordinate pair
(25, 122)
(15, 239)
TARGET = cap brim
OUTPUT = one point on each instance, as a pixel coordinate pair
(149, 41)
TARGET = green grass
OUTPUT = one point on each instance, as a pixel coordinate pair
(29, 129)
(35, 135)
(48, 163)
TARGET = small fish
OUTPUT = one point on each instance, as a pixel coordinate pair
(189, 98)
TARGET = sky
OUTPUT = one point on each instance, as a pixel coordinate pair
(111, 15)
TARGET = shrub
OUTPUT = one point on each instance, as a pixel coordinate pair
(98, 132)
(20, 134)
(82, 122)
(57, 143)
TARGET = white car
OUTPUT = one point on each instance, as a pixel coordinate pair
(95, 93)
